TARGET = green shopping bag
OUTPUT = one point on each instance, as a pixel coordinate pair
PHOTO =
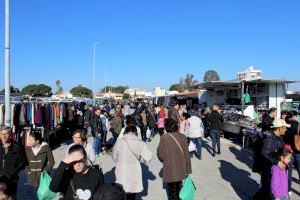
(188, 189)
(44, 193)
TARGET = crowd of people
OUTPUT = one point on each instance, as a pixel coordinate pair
(132, 126)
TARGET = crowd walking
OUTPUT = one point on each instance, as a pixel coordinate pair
(133, 126)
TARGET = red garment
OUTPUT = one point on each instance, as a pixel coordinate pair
(162, 113)
(36, 115)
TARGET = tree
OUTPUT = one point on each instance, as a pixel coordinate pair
(178, 87)
(37, 89)
(126, 96)
(13, 90)
(82, 91)
(118, 89)
(58, 85)
(211, 75)
(188, 81)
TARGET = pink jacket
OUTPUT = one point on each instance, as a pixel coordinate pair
(161, 123)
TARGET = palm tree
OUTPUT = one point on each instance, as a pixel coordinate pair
(211, 75)
(58, 85)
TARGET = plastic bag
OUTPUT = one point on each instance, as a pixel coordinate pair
(44, 193)
(148, 133)
(188, 189)
(192, 147)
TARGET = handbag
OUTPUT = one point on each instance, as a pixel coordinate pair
(297, 139)
(192, 147)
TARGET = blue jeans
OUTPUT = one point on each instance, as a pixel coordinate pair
(97, 145)
(114, 137)
(284, 198)
(198, 143)
(215, 137)
(153, 133)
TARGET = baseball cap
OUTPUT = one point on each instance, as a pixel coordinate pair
(280, 123)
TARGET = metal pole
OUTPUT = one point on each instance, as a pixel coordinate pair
(243, 101)
(94, 74)
(7, 65)
(105, 80)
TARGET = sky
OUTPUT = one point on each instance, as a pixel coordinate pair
(149, 43)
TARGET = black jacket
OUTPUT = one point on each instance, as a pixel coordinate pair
(267, 122)
(150, 119)
(61, 182)
(205, 120)
(97, 128)
(270, 146)
(215, 120)
(12, 162)
(87, 118)
(289, 137)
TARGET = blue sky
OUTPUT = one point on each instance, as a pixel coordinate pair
(149, 43)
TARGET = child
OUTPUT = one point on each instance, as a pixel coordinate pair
(279, 180)
(183, 124)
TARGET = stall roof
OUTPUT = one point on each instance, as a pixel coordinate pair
(191, 93)
(236, 82)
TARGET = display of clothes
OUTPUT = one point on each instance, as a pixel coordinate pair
(25, 114)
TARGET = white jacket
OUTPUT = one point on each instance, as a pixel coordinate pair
(195, 127)
(128, 168)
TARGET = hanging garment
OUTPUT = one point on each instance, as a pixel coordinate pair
(12, 108)
(1, 115)
(32, 114)
(21, 116)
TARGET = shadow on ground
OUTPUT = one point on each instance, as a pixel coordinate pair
(240, 180)
(242, 156)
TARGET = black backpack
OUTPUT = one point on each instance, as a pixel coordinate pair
(110, 191)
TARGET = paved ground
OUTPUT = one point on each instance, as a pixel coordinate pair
(227, 176)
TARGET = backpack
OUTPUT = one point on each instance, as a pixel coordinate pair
(110, 191)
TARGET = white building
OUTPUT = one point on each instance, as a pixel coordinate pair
(158, 91)
(250, 73)
(63, 95)
(135, 92)
(171, 92)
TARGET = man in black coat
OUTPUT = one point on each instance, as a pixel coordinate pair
(270, 146)
(12, 159)
(88, 113)
(268, 119)
(215, 127)
(97, 131)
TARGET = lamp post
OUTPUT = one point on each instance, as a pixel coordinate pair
(94, 74)
(7, 65)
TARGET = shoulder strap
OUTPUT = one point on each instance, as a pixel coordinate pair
(137, 157)
(73, 188)
(177, 143)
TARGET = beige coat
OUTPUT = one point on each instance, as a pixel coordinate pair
(128, 168)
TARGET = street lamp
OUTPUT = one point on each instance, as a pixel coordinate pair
(7, 65)
(94, 74)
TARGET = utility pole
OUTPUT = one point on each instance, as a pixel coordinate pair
(94, 74)
(7, 65)
(105, 79)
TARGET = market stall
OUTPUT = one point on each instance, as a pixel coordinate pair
(243, 101)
